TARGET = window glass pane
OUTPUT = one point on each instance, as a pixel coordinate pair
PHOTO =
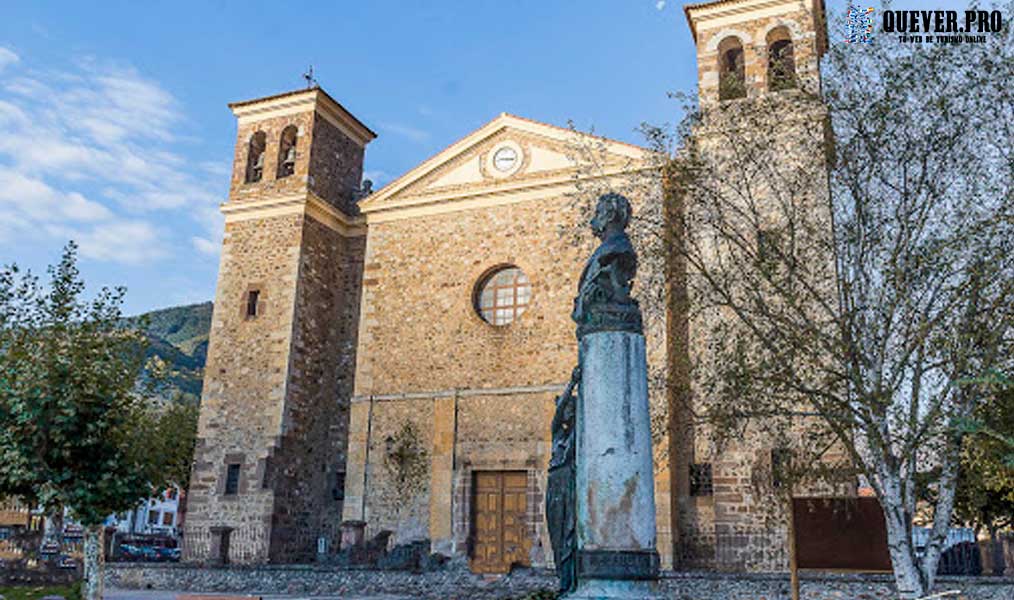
(232, 479)
(503, 295)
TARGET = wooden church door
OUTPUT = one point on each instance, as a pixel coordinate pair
(499, 517)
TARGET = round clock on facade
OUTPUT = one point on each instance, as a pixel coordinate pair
(505, 159)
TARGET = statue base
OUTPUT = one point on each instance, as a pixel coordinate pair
(613, 589)
(616, 556)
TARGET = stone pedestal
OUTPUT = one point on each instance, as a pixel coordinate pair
(352, 534)
(615, 479)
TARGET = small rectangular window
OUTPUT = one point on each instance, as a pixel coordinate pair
(339, 487)
(167, 519)
(153, 517)
(700, 479)
(251, 303)
(232, 480)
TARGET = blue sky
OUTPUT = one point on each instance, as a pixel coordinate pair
(114, 129)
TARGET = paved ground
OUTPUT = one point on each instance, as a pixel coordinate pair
(115, 594)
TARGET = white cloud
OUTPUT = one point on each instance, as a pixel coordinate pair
(218, 168)
(378, 177)
(660, 4)
(86, 152)
(36, 200)
(7, 57)
(412, 133)
(205, 246)
(130, 242)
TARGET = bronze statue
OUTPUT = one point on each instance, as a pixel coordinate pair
(561, 500)
(603, 301)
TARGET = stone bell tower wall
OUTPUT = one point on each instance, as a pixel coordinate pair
(738, 520)
(269, 467)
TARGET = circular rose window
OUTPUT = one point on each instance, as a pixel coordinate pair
(502, 295)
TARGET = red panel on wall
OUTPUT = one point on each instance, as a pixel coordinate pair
(847, 534)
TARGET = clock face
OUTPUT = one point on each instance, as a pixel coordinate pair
(504, 159)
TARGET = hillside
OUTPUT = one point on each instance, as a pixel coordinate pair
(179, 337)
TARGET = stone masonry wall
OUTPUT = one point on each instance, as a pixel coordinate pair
(307, 468)
(459, 584)
(336, 166)
(398, 498)
(420, 333)
(244, 386)
(420, 330)
(270, 185)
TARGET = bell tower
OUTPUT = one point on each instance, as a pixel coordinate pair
(757, 65)
(268, 477)
(747, 48)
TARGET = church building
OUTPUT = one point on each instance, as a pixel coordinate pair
(388, 360)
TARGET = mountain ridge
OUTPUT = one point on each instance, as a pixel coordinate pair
(178, 336)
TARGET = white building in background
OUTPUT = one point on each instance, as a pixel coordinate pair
(158, 515)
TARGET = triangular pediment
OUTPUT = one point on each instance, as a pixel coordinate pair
(508, 154)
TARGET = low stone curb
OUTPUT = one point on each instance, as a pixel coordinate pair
(459, 583)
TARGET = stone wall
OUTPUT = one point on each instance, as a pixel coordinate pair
(308, 466)
(244, 386)
(336, 166)
(420, 330)
(456, 582)
(270, 185)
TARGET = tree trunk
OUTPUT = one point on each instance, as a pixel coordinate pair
(53, 527)
(93, 562)
(996, 552)
(907, 577)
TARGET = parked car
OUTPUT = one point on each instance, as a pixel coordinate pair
(168, 554)
(130, 552)
(67, 562)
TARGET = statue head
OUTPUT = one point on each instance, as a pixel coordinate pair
(611, 213)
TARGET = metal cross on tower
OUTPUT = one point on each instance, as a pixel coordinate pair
(311, 82)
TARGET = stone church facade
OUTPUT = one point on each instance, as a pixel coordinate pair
(389, 360)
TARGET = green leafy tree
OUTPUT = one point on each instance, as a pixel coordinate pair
(985, 492)
(71, 415)
(175, 435)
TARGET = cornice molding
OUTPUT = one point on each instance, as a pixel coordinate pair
(314, 99)
(484, 197)
(307, 204)
(503, 121)
(703, 12)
